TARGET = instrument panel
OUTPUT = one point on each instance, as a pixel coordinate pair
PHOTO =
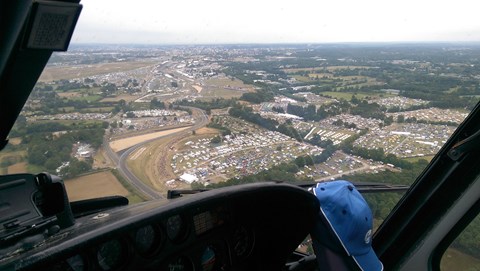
(225, 229)
(214, 237)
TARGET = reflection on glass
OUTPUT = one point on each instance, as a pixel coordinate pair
(208, 259)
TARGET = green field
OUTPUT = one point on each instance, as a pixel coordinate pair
(88, 98)
(215, 93)
(72, 122)
(10, 158)
(454, 260)
(360, 95)
(106, 109)
(415, 159)
(80, 71)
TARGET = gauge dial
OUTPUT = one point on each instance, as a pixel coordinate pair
(180, 264)
(76, 263)
(242, 242)
(175, 228)
(208, 259)
(146, 239)
(111, 255)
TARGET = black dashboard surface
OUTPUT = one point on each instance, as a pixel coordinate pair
(248, 227)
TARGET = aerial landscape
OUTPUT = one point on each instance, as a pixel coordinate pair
(138, 120)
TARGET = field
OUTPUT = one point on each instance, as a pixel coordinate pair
(86, 98)
(330, 68)
(215, 93)
(360, 95)
(105, 109)
(94, 185)
(80, 71)
(101, 160)
(9, 159)
(128, 142)
(15, 140)
(17, 168)
(456, 260)
(415, 159)
(224, 88)
(125, 97)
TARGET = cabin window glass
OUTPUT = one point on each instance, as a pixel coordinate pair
(464, 252)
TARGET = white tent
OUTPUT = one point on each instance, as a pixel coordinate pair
(188, 178)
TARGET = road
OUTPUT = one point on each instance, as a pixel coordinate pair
(121, 159)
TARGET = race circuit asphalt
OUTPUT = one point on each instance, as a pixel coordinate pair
(121, 158)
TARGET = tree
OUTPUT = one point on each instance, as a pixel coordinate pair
(216, 140)
(300, 161)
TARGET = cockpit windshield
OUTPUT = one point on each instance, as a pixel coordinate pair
(190, 95)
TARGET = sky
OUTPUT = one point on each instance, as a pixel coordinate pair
(280, 21)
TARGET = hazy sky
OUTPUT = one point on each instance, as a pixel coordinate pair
(295, 21)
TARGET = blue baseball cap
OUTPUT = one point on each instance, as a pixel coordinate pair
(350, 218)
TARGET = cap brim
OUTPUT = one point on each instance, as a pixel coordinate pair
(368, 262)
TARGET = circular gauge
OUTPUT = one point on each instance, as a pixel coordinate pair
(208, 259)
(180, 264)
(146, 240)
(111, 255)
(242, 242)
(76, 263)
(175, 228)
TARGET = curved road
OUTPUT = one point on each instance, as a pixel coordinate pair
(120, 160)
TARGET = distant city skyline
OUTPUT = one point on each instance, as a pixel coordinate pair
(302, 21)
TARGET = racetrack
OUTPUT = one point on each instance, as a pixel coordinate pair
(120, 158)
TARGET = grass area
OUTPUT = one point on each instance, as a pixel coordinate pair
(17, 168)
(455, 260)
(106, 109)
(15, 140)
(303, 78)
(125, 97)
(227, 82)
(94, 185)
(152, 165)
(18, 155)
(35, 169)
(73, 123)
(77, 92)
(415, 159)
(80, 71)
(330, 69)
(134, 196)
(215, 93)
(140, 106)
(138, 168)
(359, 95)
(67, 109)
(335, 68)
(88, 98)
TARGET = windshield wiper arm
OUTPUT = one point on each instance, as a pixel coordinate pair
(365, 187)
(96, 205)
(361, 187)
(176, 193)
